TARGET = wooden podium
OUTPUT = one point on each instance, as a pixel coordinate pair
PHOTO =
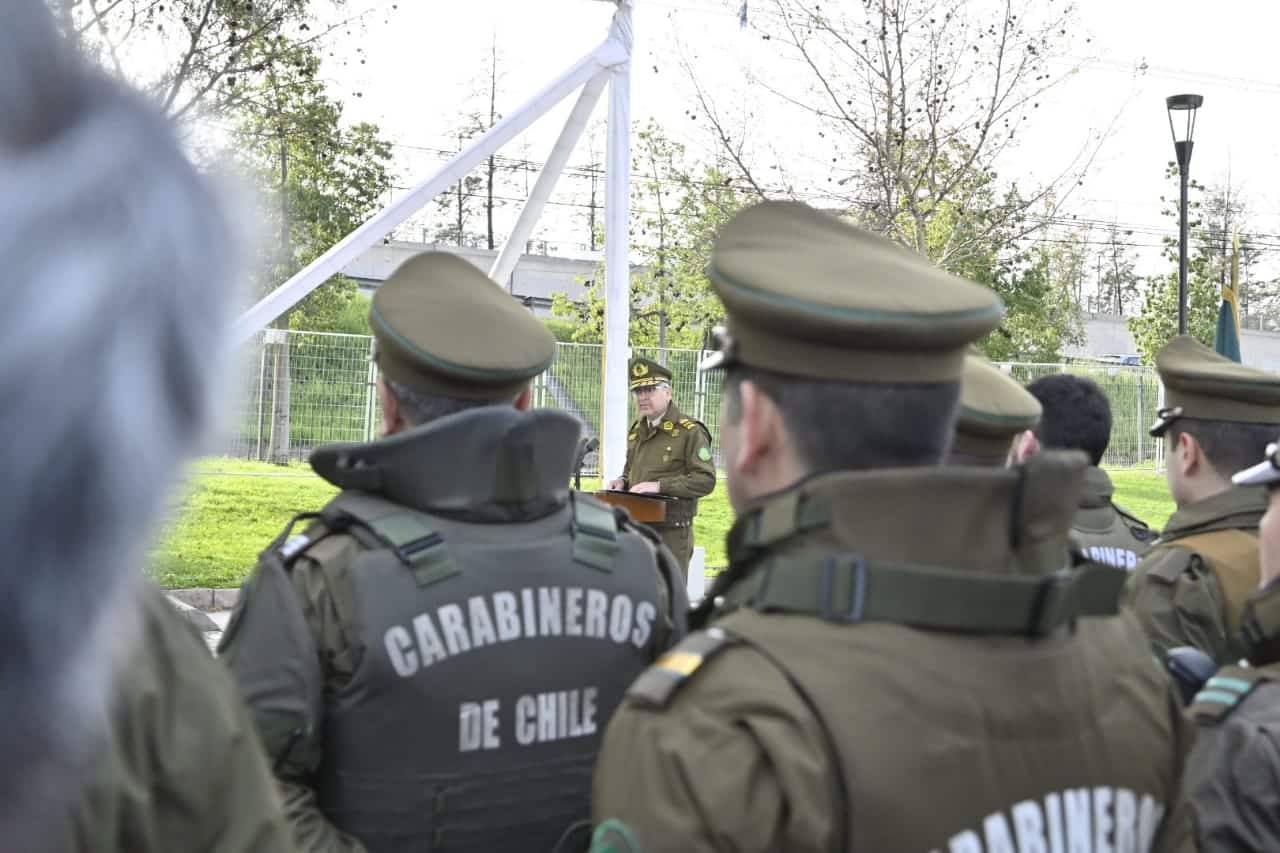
(646, 509)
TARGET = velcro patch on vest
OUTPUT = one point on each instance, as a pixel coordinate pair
(657, 684)
(1223, 693)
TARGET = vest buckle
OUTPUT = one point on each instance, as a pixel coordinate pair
(851, 570)
(1050, 604)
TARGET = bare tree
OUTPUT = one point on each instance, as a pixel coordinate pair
(913, 102)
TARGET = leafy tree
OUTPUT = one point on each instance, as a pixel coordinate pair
(676, 212)
(1157, 324)
(1118, 284)
(322, 179)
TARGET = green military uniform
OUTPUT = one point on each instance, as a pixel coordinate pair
(993, 410)
(1104, 532)
(1231, 778)
(432, 660)
(1189, 588)
(674, 452)
(181, 767)
(866, 683)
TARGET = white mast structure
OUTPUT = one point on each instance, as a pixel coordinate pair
(609, 63)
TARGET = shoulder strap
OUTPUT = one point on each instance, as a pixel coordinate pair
(1223, 693)
(1139, 528)
(693, 423)
(407, 534)
(657, 684)
(848, 589)
(595, 532)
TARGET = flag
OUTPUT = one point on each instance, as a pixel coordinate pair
(1226, 340)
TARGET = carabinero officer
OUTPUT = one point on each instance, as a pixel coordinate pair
(894, 659)
(1077, 416)
(667, 454)
(431, 663)
(1231, 777)
(994, 410)
(1220, 416)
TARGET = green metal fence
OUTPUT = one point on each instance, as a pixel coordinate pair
(332, 396)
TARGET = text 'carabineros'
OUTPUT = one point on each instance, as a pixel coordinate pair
(500, 617)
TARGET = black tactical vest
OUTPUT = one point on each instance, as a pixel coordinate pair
(493, 656)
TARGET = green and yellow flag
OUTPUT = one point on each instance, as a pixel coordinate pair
(1227, 339)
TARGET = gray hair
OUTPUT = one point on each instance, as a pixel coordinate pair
(117, 256)
(420, 407)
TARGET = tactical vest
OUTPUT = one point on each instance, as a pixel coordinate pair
(1106, 535)
(977, 730)
(493, 656)
(1232, 555)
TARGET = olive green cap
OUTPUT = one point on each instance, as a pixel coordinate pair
(646, 373)
(993, 409)
(807, 294)
(443, 327)
(1265, 473)
(1200, 383)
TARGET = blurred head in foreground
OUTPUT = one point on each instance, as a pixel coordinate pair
(117, 260)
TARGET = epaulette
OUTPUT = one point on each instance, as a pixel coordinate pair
(691, 424)
(1139, 528)
(1223, 693)
(657, 684)
(1169, 564)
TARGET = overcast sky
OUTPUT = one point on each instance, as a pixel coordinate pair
(421, 58)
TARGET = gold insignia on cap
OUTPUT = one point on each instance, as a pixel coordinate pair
(640, 369)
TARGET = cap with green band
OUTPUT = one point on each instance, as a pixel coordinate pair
(1200, 383)
(807, 294)
(993, 409)
(443, 327)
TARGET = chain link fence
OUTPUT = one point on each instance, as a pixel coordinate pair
(305, 389)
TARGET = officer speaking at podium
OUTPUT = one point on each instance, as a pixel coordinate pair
(667, 454)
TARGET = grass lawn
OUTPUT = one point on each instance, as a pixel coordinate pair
(232, 509)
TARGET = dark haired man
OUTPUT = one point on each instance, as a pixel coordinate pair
(867, 682)
(1219, 418)
(1077, 416)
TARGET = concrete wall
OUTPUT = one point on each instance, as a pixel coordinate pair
(1108, 334)
(536, 277)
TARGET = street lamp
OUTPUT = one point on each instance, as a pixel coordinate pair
(1185, 107)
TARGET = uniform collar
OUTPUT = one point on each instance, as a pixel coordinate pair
(672, 416)
(1012, 521)
(491, 464)
(1098, 489)
(1238, 507)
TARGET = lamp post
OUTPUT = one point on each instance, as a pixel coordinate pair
(1185, 107)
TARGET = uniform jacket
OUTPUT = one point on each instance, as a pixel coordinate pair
(677, 455)
(1233, 778)
(318, 673)
(1191, 586)
(181, 767)
(1104, 532)
(803, 726)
